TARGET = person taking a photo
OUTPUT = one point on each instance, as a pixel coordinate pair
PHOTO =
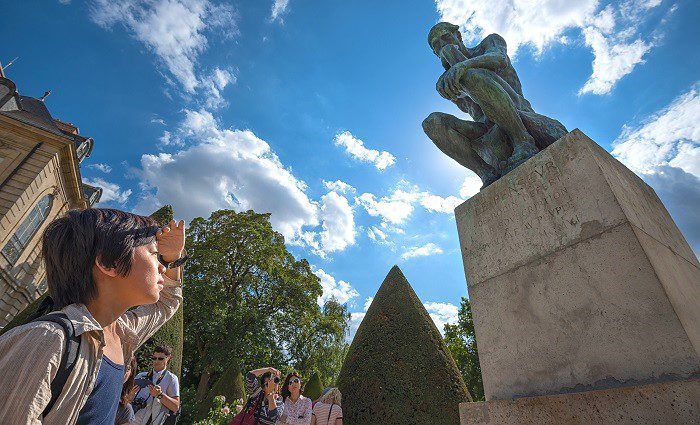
(162, 395)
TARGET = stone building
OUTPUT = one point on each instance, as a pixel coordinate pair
(40, 179)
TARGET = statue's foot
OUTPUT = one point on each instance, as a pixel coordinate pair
(488, 178)
(521, 153)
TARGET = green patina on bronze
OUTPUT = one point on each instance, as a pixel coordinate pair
(482, 82)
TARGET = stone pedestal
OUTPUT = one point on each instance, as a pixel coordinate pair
(579, 279)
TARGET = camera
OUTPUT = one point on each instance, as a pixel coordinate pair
(138, 404)
(276, 379)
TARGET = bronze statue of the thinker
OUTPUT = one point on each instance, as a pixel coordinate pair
(481, 81)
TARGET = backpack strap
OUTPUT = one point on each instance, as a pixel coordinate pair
(328, 421)
(69, 358)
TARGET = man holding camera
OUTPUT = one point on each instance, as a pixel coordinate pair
(159, 396)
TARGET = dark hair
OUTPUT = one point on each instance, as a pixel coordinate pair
(285, 390)
(263, 377)
(72, 243)
(163, 348)
(129, 384)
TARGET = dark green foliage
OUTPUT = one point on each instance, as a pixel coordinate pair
(313, 388)
(461, 341)
(171, 332)
(23, 315)
(230, 385)
(398, 369)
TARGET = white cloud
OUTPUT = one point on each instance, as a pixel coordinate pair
(214, 84)
(471, 186)
(173, 29)
(160, 121)
(338, 186)
(338, 228)
(442, 313)
(395, 208)
(111, 192)
(376, 234)
(520, 22)
(279, 8)
(339, 290)
(614, 56)
(439, 204)
(542, 23)
(669, 137)
(421, 251)
(101, 167)
(664, 150)
(226, 169)
(356, 148)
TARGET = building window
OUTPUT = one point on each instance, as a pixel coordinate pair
(27, 229)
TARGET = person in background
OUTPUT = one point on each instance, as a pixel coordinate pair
(162, 396)
(264, 401)
(100, 263)
(297, 408)
(327, 410)
(125, 412)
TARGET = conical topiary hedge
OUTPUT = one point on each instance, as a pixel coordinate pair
(313, 388)
(230, 385)
(398, 369)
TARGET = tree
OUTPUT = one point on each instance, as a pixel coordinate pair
(248, 298)
(461, 342)
(398, 369)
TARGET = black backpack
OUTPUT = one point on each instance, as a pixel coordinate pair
(69, 358)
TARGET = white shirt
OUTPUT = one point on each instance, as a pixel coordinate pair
(170, 386)
(298, 413)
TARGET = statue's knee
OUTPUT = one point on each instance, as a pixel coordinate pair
(432, 123)
(474, 76)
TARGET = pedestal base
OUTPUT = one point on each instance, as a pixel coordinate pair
(663, 403)
(578, 277)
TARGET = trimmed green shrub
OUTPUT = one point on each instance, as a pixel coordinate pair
(230, 385)
(313, 388)
(398, 369)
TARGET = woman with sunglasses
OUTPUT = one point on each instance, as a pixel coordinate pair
(264, 401)
(297, 408)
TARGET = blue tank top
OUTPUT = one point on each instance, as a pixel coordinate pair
(103, 402)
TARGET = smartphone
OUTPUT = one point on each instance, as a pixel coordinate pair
(142, 382)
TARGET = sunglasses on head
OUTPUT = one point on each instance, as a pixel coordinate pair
(295, 381)
(158, 358)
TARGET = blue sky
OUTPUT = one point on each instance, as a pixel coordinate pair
(312, 111)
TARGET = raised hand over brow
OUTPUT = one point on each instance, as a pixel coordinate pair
(171, 240)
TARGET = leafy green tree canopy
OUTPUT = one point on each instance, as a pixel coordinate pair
(398, 369)
(248, 298)
(461, 341)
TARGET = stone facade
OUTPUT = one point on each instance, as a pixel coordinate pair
(39, 180)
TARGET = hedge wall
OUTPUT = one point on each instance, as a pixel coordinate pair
(398, 369)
